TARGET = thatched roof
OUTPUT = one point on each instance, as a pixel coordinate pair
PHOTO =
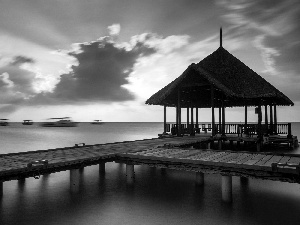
(231, 79)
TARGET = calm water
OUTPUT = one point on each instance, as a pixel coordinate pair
(156, 198)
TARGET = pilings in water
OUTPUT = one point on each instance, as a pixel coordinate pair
(74, 180)
(199, 178)
(227, 188)
(129, 173)
(1, 189)
(102, 168)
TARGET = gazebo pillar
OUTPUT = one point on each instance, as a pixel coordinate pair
(271, 118)
(259, 131)
(188, 119)
(220, 120)
(165, 119)
(192, 122)
(223, 119)
(275, 120)
(246, 119)
(179, 114)
(197, 122)
(213, 132)
(266, 118)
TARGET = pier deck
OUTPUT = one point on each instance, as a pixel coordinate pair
(160, 152)
(284, 167)
(15, 166)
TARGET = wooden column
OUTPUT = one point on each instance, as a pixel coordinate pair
(179, 114)
(192, 122)
(259, 130)
(165, 119)
(271, 119)
(275, 120)
(188, 119)
(197, 121)
(226, 188)
(220, 120)
(223, 119)
(246, 120)
(266, 118)
(212, 110)
(199, 178)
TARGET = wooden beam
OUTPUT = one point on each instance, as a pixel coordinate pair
(192, 122)
(246, 119)
(197, 122)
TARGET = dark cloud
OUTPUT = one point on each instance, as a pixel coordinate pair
(103, 67)
(19, 60)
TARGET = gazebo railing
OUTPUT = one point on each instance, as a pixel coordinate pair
(232, 128)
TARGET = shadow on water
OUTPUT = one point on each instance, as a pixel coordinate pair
(157, 197)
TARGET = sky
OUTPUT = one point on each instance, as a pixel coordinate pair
(102, 59)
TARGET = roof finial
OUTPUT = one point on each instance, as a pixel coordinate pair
(221, 37)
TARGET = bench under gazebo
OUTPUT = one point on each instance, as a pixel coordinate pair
(220, 81)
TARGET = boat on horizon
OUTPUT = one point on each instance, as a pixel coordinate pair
(60, 122)
(27, 122)
(3, 122)
(97, 122)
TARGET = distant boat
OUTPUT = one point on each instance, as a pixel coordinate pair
(3, 122)
(60, 122)
(27, 122)
(97, 122)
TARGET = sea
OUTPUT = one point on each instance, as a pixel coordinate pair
(157, 197)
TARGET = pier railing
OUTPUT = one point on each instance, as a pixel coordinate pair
(232, 128)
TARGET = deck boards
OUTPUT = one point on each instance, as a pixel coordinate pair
(157, 150)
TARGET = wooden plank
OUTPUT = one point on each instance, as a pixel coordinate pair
(274, 159)
(294, 160)
(263, 160)
(255, 159)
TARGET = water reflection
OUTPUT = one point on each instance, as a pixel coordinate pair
(171, 197)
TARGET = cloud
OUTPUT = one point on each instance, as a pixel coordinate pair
(114, 29)
(99, 75)
(275, 30)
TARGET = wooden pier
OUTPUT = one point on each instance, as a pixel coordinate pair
(179, 153)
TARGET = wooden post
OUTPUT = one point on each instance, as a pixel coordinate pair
(223, 119)
(219, 144)
(74, 180)
(199, 178)
(289, 130)
(197, 121)
(212, 110)
(129, 173)
(226, 188)
(102, 168)
(188, 119)
(192, 122)
(179, 114)
(246, 120)
(275, 120)
(266, 118)
(271, 119)
(1, 189)
(220, 120)
(259, 130)
(165, 119)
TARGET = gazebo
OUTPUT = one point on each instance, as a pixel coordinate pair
(219, 81)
